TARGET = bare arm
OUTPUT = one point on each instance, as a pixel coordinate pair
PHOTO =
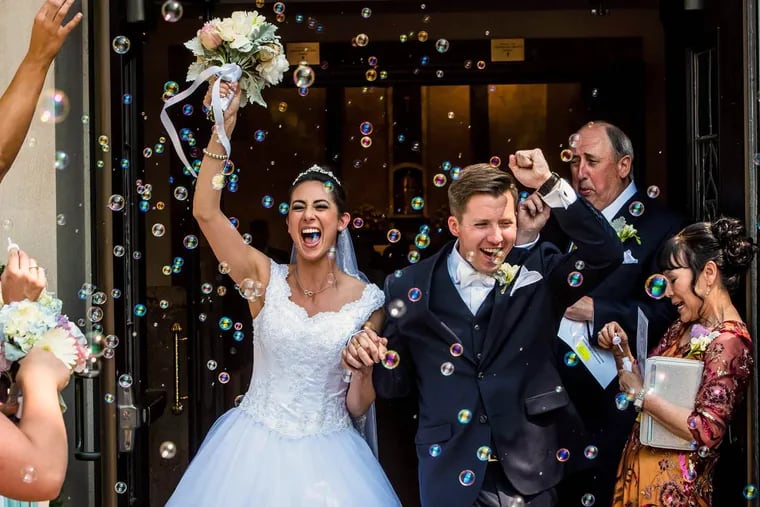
(244, 261)
(18, 102)
(37, 447)
(34, 454)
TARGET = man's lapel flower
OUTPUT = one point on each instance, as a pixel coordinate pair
(625, 231)
(505, 274)
(701, 338)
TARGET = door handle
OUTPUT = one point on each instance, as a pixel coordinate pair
(131, 417)
(127, 416)
(86, 420)
(155, 403)
(178, 407)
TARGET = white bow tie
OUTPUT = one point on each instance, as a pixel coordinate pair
(468, 276)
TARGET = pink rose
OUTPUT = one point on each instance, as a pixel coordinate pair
(209, 36)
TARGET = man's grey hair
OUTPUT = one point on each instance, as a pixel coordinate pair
(621, 144)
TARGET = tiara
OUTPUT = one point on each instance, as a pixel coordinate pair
(316, 169)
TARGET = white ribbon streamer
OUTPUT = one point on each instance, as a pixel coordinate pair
(230, 72)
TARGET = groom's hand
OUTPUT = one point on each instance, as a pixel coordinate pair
(529, 167)
(532, 215)
(380, 342)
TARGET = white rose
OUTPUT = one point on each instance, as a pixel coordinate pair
(272, 71)
(227, 30)
(243, 23)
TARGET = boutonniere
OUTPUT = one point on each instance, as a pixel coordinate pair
(505, 274)
(625, 231)
(701, 338)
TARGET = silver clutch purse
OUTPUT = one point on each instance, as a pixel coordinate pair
(676, 380)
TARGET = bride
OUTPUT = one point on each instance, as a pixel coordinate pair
(291, 442)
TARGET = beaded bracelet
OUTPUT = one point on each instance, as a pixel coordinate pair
(215, 156)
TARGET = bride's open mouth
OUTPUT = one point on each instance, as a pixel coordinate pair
(311, 236)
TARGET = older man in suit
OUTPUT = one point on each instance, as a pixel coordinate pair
(602, 173)
(475, 335)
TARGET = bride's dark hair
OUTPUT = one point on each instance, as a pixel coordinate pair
(722, 241)
(324, 175)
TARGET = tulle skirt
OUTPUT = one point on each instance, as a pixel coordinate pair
(243, 463)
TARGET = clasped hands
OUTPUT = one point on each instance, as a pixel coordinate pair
(363, 350)
(630, 381)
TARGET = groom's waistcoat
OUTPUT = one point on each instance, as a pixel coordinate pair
(447, 304)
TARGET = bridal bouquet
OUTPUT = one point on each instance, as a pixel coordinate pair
(26, 324)
(245, 39)
(242, 48)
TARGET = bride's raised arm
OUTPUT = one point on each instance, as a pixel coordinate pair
(243, 260)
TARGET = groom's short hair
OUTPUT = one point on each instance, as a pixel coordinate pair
(479, 179)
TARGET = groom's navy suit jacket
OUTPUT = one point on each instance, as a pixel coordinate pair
(507, 376)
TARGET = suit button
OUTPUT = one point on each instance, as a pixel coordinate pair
(478, 356)
(483, 419)
(477, 327)
(481, 375)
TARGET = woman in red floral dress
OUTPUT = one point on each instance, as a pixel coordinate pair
(703, 264)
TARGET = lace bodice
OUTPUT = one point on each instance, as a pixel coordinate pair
(296, 386)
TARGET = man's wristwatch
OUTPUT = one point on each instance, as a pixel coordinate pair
(638, 403)
(548, 185)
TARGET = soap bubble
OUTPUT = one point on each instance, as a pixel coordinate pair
(171, 11)
(121, 44)
(303, 76)
(655, 286)
(54, 106)
(167, 450)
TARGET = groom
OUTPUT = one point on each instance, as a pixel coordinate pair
(495, 422)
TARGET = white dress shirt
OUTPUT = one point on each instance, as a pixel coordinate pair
(612, 209)
(473, 287)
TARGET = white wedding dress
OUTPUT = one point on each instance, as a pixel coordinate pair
(291, 442)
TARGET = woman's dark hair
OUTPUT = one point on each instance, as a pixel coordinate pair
(722, 241)
(317, 173)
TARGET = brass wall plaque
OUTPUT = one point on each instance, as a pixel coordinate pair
(507, 50)
(302, 51)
